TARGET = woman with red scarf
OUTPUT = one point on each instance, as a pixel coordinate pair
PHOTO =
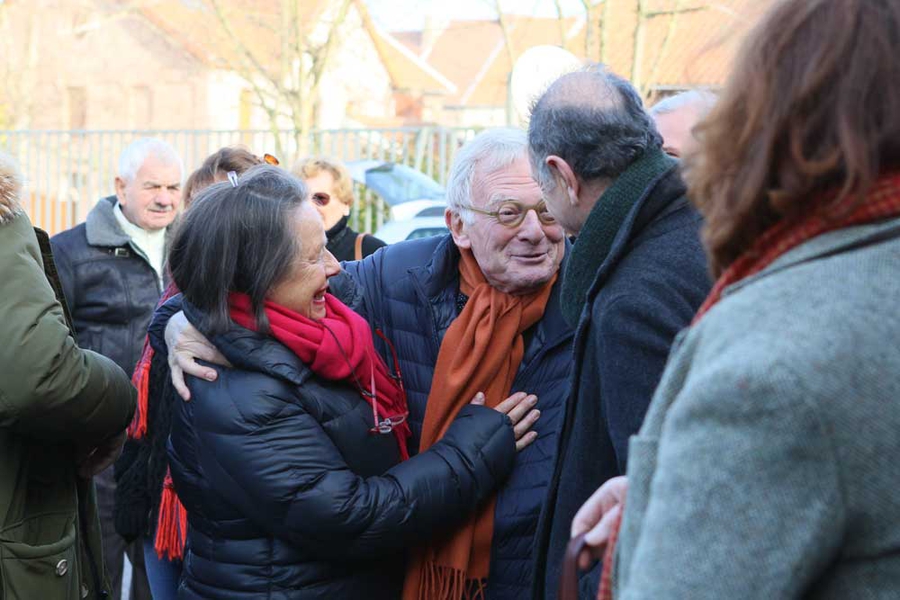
(293, 464)
(767, 463)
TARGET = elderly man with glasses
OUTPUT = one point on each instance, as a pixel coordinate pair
(475, 310)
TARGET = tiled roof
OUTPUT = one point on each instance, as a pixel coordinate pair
(699, 53)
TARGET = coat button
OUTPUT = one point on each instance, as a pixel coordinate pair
(62, 567)
(84, 591)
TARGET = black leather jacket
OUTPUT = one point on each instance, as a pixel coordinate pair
(109, 284)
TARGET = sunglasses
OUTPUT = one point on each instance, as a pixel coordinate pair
(271, 160)
(321, 198)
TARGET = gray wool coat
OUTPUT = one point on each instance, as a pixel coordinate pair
(768, 465)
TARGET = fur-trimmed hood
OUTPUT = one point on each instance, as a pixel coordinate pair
(10, 188)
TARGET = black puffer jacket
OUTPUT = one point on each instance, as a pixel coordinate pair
(288, 494)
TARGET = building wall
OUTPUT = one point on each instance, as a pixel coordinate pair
(116, 73)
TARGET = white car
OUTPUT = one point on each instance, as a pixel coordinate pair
(416, 201)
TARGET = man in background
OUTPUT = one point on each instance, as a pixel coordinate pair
(112, 272)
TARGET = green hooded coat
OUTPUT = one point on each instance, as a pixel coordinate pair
(57, 402)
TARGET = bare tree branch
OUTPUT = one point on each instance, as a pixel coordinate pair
(505, 30)
(604, 29)
(562, 22)
(241, 47)
(664, 47)
(589, 27)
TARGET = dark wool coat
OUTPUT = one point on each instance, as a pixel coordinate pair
(342, 242)
(647, 289)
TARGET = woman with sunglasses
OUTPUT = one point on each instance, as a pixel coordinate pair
(330, 189)
(292, 464)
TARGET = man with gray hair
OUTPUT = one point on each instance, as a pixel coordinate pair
(676, 116)
(635, 278)
(490, 287)
(112, 272)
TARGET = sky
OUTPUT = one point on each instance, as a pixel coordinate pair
(399, 15)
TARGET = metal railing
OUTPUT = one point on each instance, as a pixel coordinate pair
(66, 172)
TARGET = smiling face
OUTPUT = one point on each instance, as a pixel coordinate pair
(303, 289)
(151, 198)
(515, 260)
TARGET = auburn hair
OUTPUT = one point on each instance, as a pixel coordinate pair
(808, 120)
(217, 165)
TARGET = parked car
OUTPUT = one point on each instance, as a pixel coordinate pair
(416, 201)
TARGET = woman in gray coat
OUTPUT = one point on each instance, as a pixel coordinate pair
(767, 466)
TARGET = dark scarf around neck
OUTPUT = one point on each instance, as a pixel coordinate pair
(595, 240)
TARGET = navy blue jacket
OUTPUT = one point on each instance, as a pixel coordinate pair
(646, 290)
(410, 291)
(289, 496)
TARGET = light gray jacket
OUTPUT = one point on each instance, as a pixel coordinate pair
(768, 465)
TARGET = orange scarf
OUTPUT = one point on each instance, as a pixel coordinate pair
(481, 352)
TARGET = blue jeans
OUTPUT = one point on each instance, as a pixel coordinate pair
(163, 574)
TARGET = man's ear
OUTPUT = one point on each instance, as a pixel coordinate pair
(457, 228)
(120, 190)
(565, 177)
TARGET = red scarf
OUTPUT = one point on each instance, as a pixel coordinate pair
(338, 347)
(881, 202)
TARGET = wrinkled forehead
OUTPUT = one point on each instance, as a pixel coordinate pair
(159, 170)
(512, 182)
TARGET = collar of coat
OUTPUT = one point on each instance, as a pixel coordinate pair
(823, 246)
(620, 212)
(10, 189)
(102, 229)
(101, 226)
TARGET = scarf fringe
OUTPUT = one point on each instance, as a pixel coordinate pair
(137, 429)
(171, 528)
(446, 583)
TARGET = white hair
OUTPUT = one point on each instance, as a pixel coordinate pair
(491, 150)
(133, 157)
(702, 99)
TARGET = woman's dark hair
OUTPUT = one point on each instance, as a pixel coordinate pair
(237, 239)
(812, 106)
(229, 158)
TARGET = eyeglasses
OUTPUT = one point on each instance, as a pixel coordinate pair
(271, 160)
(511, 213)
(380, 425)
(321, 198)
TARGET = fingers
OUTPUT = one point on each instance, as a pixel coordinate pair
(522, 427)
(590, 512)
(526, 440)
(478, 399)
(511, 402)
(178, 381)
(607, 496)
(598, 537)
(518, 412)
(187, 364)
